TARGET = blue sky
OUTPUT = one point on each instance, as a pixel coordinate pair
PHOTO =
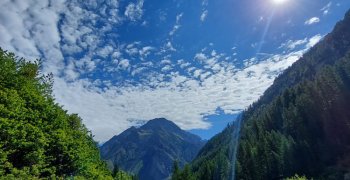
(198, 63)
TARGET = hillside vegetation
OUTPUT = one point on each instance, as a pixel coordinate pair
(301, 125)
(38, 139)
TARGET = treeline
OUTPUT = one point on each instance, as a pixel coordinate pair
(213, 161)
(122, 175)
(38, 139)
(299, 126)
(305, 130)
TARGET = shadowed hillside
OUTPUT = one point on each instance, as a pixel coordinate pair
(301, 125)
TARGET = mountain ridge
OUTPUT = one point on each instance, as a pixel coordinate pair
(299, 126)
(150, 150)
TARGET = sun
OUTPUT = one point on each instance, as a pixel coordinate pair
(278, 2)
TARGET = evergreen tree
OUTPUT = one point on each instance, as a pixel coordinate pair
(176, 172)
(299, 125)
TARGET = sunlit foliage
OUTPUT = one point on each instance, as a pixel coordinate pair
(38, 139)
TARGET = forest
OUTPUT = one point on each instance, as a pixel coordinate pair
(298, 128)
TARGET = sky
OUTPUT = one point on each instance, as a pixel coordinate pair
(198, 63)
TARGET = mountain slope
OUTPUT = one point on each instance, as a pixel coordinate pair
(301, 125)
(150, 150)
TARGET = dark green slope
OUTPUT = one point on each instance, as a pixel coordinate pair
(214, 159)
(305, 130)
(38, 139)
(333, 47)
(150, 150)
(301, 125)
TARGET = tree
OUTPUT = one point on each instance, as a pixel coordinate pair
(176, 171)
(39, 139)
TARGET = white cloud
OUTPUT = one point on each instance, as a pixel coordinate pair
(138, 71)
(145, 51)
(314, 40)
(170, 46)
(177, 24)
(134, 11)
(204, 15)
(77, 27)
(197, 73)
(182, 100)
(205, 3)
(124, 64)
(132, 51)
(183, 64)
(292, 44)
(165, 61)
(30, 29)
(21, 26)
(325, 10)
(312, 20)
(166, 68)
(200, 57)
(71, 73)
(105, 51)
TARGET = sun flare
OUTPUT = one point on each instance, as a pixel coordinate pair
(278, 2)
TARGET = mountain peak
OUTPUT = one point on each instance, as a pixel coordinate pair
(160, 122)
(149, 151)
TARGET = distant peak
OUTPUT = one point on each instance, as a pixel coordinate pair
(160, 122)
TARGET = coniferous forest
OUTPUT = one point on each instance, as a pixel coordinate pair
(299, 127)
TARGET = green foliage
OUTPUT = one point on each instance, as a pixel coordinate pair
(301, 131)
(184, 174)
(213, 161)
(297, 177)
(121, 175)
(299, 126)
(176, 175)
(38, 139)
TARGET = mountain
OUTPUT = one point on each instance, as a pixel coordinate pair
(150, 150)
(301, 125)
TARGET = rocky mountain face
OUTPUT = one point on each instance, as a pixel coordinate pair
(150, 150)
